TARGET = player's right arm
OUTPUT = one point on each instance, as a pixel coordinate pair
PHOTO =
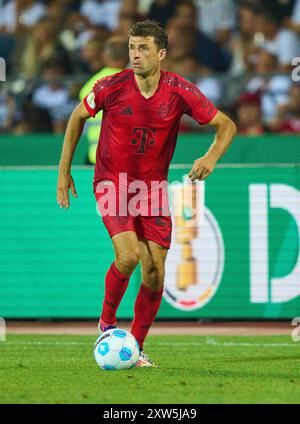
(95, 101)
(72, 136)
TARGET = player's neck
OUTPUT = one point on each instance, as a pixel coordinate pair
(148, 83)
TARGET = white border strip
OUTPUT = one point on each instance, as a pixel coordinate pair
(209, 342)
(172, 166)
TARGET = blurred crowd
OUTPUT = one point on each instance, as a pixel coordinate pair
(241, 54)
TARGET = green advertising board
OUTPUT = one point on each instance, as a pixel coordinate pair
(45, 149)
(243, 257)
(246, 249)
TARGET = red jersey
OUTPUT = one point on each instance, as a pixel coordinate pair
(138, 135)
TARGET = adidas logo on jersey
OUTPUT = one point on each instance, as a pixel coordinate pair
(127, 111)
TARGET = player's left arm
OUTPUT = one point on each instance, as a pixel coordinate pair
(226, 130)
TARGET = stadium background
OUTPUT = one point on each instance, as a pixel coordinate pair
(239, 53)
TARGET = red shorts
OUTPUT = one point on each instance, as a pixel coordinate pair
(156, 227)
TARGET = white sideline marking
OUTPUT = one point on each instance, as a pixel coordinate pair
(214, 343)
(209, 342)
(36, 343)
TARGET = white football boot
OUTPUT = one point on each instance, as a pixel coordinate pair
(144, 361)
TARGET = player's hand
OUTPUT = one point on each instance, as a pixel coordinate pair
(64, 183)
(202, 168)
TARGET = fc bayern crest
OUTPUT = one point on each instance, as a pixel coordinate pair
(163, 110)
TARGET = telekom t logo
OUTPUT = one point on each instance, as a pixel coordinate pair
(143, 137)
(263, 288)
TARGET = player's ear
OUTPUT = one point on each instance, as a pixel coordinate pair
(162, 54)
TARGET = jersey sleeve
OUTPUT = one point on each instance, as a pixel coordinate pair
(197, 105)
(94, 101)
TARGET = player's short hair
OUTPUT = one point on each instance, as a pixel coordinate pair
(150, 28)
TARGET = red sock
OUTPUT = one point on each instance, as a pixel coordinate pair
(115, 287)
(145, 309)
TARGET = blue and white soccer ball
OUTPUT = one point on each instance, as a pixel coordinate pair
(116, 349)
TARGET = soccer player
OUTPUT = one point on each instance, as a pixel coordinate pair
(142, 107)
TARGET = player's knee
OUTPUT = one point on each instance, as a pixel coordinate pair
(127, 263)
(154, 278)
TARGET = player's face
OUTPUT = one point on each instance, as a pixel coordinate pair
(144, 55)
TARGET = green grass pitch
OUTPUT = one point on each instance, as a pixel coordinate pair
(193, 369)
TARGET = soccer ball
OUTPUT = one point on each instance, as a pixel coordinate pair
(116, 349)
